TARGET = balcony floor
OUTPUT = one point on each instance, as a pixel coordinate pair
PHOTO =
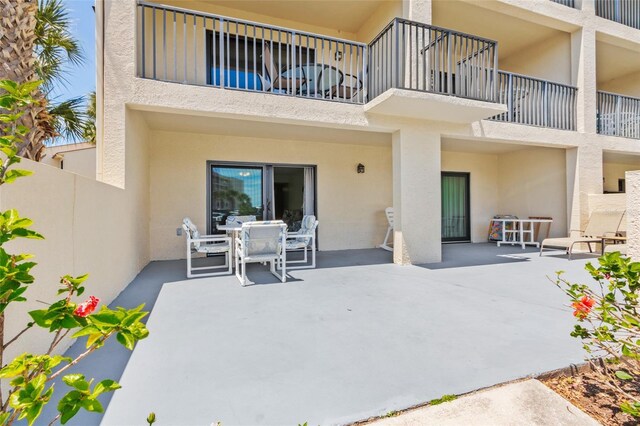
(356, 337)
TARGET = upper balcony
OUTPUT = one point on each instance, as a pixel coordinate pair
(208, 49)
(626, 12)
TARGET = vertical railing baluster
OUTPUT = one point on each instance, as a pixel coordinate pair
(175, 47)
(164, 43)
(144, 42)
(154, 40)
(222, 70)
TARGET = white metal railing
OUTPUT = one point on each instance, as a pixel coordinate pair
(190, 47)
(626, 12)
(618, 115)
(415, 56)
(537, 102)
(568, 3)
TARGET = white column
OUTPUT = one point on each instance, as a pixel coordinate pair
(416, 197)
(633, 214)
(583, 75)
(584, 177)
(417, 10)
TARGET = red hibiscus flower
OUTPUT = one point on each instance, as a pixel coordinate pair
(87, 307)
(583, 307)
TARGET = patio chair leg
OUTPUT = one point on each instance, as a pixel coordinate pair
(189, 254)
(313, 253)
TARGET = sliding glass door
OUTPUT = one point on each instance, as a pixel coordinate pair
(456, 226)
(266, 191)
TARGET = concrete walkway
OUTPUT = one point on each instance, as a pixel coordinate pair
(355, 338)
(524, 403)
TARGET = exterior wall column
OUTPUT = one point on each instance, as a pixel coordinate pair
(418, 10)
(633, 214)
(583, 76)
(118, 75)
(584, 177)
(416, 197)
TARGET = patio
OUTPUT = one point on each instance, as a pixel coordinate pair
(357, 337)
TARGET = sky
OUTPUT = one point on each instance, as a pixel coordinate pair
(81, 79)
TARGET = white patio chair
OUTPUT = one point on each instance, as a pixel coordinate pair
(303, 239)
(386, 245)
(261, 242)
(239, 220)
(206, 244)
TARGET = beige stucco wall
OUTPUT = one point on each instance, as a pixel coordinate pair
(614, 171)
(536, 59)
(607, 202)
(483, 169)
(350, 205)
(628, 85)
(90, 227)
(533, 183)
(81, 161)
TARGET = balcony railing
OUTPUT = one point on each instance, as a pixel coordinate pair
(626, 12)
(415, 56)
(618, 115)
(185, 46)
(537, 102)
(568, 3)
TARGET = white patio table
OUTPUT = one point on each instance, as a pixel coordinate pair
(232, 231)
(519, 235)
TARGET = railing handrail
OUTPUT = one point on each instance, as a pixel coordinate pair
(430, 27)
(446, 30)
(542, 80)
(633, 98)
(246, 22)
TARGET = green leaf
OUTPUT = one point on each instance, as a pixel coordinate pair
(107, 385)
(76, 381)
(623, 375)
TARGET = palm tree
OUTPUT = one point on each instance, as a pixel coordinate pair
(17, 40)
(56, 48)
(89, 131)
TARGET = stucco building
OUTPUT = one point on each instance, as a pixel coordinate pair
(514, 107)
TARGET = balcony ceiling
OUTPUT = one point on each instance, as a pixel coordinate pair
(481, 147)
(344, 15)
(615, 62)
(183, 123)
(512, 34)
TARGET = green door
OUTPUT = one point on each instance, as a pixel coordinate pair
(456, 226)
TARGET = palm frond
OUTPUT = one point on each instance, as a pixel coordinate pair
(69, 118)
(54, 43)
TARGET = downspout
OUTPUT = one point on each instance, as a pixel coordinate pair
(99, 14)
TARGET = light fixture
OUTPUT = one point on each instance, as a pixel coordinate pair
(338, 55)
(360, 168)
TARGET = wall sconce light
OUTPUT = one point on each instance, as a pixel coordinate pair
(338, 55)
(360, 168)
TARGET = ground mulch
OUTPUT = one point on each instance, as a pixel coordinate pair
(586, 391)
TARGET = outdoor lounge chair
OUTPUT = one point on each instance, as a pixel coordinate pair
(619, 241)
(206, 244)
(386, 245)
(304, 239)
(261, 242)
(602, 223)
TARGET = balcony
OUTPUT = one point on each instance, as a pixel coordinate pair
(618, 115)
(537, 102)
(197, 48)
(626, 12)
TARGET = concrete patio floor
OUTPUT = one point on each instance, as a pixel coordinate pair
(357, 337)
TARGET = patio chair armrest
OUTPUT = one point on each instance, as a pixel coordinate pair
(210, 239)
(292, 236)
